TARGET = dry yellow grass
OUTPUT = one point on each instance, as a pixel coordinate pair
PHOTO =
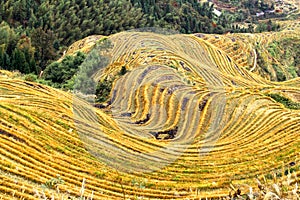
(228, 133)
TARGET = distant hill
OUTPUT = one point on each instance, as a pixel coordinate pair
(272, 55)
(35, 33)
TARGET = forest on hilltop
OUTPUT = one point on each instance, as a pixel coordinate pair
(34, 33)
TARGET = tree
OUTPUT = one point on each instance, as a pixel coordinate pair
(43, 41)
(61, 72)
(1, 58)
(19, 61)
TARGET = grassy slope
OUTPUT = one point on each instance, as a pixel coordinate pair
(257, 136)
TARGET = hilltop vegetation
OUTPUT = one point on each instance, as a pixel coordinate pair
(51, 25)
(36, 33)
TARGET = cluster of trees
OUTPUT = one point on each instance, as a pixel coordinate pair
(60, 74)
(16, 51)
(50, 26)
(247, 10)
(186, 16)
(27, 54)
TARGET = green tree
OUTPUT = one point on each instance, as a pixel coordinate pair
(43, 41)
(62, 72)
(19, 61)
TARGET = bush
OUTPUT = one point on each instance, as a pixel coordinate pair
(30, 77)
(61, 72)
(103, 90)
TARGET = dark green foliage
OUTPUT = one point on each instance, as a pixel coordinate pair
(288, 103)
(43, 41)
(18, 60)
(4, 60)
(103, 90)
(52, 25)
(123, 70)
(252, 6)
(186, 16)
(96, 60)
(16, 51)
(60, 73)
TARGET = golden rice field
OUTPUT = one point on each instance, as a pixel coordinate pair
(246, 48)
(187, 121)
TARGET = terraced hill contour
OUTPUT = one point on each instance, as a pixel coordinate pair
(185, 121)
(269, 54)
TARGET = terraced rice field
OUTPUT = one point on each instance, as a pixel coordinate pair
(246, 49)
(186, 121)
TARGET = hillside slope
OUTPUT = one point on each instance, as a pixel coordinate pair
(186, 120)
(272, 55)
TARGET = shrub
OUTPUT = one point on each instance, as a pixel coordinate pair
(61, 72)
